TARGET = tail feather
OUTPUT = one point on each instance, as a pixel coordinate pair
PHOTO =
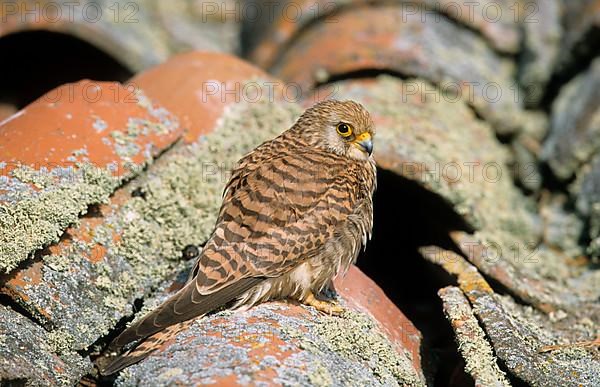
(183, 305)
(145, 348)
(158, 326)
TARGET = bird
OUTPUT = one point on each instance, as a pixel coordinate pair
(295, 213)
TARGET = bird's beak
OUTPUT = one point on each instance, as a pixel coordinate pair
(364, 142)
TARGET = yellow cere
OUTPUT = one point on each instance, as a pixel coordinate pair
(363, 137)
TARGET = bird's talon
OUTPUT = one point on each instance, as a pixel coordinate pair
(326, 307)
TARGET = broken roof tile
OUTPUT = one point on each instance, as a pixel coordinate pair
(480, 361)
(518, 332)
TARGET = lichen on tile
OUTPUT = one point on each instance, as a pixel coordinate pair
(439, 142)
(356, 337)
(28, 352)
(279, 343)
(477, 352)
(37, 205)
(530, 330)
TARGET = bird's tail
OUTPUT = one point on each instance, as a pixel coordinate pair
(171, 317)
(142, 350)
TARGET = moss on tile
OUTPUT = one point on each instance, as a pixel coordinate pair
(356, 337)
(31, 218)
(478, 354)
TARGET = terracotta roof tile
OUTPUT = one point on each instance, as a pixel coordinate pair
(89, 138)
(283, 343)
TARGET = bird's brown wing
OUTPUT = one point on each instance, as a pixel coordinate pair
(274, 216)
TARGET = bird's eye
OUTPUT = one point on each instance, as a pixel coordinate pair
(344, 129)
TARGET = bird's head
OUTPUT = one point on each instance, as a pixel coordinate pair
(342, 127)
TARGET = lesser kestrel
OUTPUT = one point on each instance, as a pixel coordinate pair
(294, 215)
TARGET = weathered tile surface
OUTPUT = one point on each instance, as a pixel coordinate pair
(89, 138)
(421, 44)
(480, 361)
(29, 355)
(574, 135)
(286, 344)
(541, 47)
(198, 86)
(518, 332)
(439, 143)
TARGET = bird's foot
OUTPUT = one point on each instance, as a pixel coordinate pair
(327, 307)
